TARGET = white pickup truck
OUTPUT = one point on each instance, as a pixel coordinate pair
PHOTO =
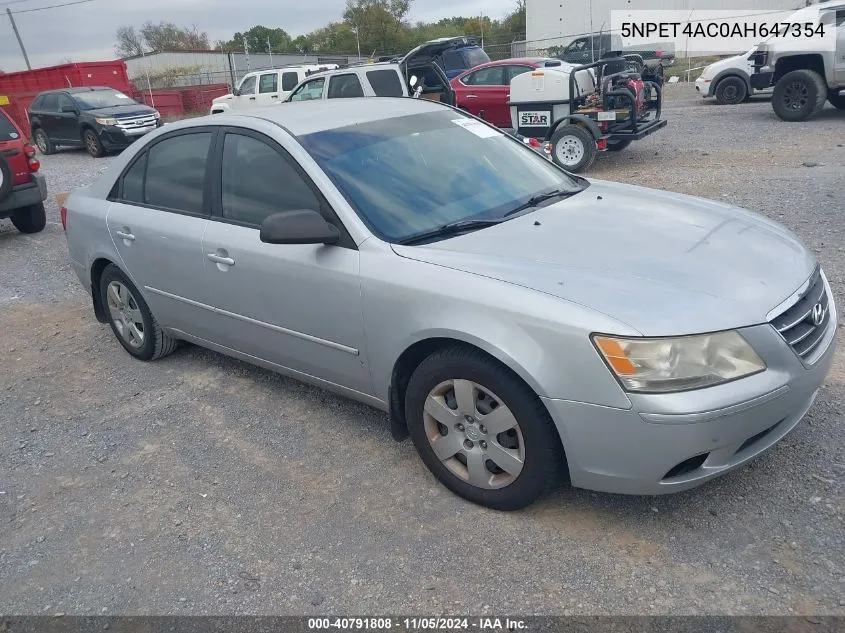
(265, 87)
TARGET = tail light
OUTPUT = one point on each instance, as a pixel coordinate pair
(29, 151)
(63, 216)
(601, 144)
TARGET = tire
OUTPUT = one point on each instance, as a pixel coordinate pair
(836, 99)
(92, 143)
(473, 447)
(731, 91)
(618, 146)
(126, 306)
(31, 219)
(799, 95)
(573, 148)
(43, 142)
(5, 178)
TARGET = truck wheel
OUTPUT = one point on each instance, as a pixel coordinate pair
(31, 219)
(799, 95)
(836, 99)
(731, 90)
(45, 145)
(573, 148)
(618, 146)
(92, 143)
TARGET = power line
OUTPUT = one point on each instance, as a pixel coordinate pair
(53, 6)
(3, 4)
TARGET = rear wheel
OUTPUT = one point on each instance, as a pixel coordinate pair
(481, 430)
(43, 142)
(92, 143)
(799, 95)
(31, 219)
(837, 100)
(573, 148)
(130, 318)
(731, 90)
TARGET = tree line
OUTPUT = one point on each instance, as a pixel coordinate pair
(371, 27)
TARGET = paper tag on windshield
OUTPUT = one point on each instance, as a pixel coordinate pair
(120, 95)
(476, 127)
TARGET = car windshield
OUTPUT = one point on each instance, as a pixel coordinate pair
(411, 174)
(101, 99)
(475, 56)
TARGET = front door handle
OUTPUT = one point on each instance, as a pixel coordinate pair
(220, 259)
(252, 98)
(472, 97)
(125, 236)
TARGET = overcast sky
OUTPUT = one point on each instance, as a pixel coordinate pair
(85, 32)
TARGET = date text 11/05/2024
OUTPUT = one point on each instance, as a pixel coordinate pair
(760, 30)
(484, 624)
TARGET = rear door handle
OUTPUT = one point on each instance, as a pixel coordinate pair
(125, 236)
(252, 98)
(219, 259)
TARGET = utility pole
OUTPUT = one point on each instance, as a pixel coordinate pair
(270, 50)
(18, 35)
(246, 53)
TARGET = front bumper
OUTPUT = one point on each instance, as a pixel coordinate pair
(761, 80)
(672, 442)
(24, 195)
(704, 87)
(114, 138)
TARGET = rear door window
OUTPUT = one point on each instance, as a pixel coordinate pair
(491, 76)
(175, 177)
(345, 87)
(385, 83)
(289, 81)
(453, 60)
(51, 103)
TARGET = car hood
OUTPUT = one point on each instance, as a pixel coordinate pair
(435, 48)
(737, 61)
(662, 263)
(121, 111)
(226, 97)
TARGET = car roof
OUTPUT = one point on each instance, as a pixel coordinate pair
(307, 117)
(352, 68)
(76, 90)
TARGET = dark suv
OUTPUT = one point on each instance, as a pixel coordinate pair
(99, 119)
(22, 188)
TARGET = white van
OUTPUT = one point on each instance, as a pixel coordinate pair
(264, 87)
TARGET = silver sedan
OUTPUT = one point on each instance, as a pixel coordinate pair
(510, 317)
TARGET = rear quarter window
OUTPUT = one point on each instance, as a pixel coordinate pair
(385, 83)
(289, 81)
(7, 128)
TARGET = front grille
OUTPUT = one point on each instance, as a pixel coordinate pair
(136, 122)
(799, 325)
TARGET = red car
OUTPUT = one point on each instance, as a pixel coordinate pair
(485, 90)
(22, 189)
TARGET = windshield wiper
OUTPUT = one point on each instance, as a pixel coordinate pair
(533, 201)
(452, 228)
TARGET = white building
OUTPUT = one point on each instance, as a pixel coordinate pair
(556, 22)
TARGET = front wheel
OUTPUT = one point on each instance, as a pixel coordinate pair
(573, 148)
(130, 318)
(799, 95)
(481, 430)
(92, 143)
(731, 91)
(836, 99)
(30, 219)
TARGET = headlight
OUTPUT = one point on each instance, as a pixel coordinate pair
(663, 365)
(106, 121)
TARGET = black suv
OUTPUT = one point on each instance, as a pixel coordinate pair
(96, 118)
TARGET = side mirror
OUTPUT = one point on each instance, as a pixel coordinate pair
(298, 227)
(236, 92)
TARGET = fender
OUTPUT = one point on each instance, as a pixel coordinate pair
(581, 119)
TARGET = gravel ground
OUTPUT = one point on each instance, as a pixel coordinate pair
(168, 487)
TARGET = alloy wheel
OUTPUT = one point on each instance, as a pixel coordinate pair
(795, 96)
(125, 314)
(474, 434)
(91, 144)
(41, 141)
